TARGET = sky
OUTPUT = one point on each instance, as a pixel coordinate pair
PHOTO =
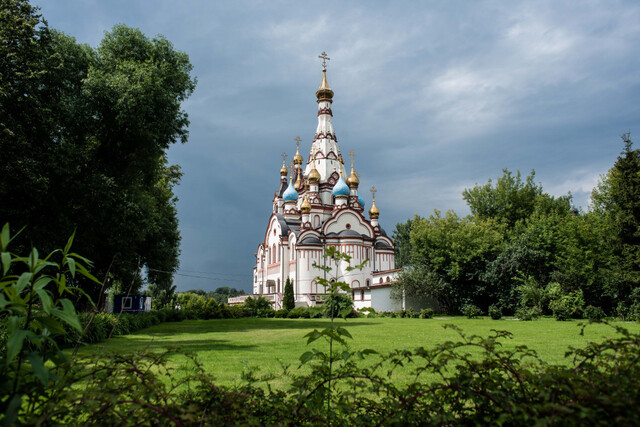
(432, 96)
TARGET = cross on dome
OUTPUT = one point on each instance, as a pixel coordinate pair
(324, 58)
(297, 139)
(373, 193)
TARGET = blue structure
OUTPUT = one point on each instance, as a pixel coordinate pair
(131, 303)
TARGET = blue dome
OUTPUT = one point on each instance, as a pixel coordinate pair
(290, 194)
(361, 201)
(341, 188)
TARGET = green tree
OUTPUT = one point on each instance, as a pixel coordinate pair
(450, 254)
(402, 239)
(84, 134)
(617, 197)
(288, 302)
(512, 200)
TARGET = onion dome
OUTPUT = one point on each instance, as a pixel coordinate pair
(374, 213)
(297, 159)
(283, 170)
(306, 206)
(290, 194)
(361, 201)
(314, 175)
(353, 180)
(324, 92)
(341, 188)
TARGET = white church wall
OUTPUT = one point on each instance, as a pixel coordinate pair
(381, 300)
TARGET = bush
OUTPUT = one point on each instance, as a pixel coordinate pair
(566, 306)
(426, 313)
(337, 305)
(299, 313)
(495, 312)
(593, 313)
(411, 313)
(282, 313)
(471, 311)
(528, 313)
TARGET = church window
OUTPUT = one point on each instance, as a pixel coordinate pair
(278, 254)
(381, 280)
(368, 282)
(348, 226)
(388, 279)
(362, 295)
(278, 285)
(273, 254)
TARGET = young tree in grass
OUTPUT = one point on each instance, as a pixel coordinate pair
(288, 301)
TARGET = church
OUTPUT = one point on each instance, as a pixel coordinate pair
(317, 205)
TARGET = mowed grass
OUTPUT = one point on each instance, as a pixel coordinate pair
(227, 346)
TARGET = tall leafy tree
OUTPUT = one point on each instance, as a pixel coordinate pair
(84, 134)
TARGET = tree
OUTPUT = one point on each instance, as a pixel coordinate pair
(511, 200)
(288, 302)
(402, 238)
(84, 134)
(617, 197)
(450, 253)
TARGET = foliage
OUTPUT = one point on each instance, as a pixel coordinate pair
(564, 305)
(593, 313)
(35, 310)
(528, 313)
(495, 312)
(288, 301)
(531, 293)
(471, 311)
(84, 139)
(426, 313)
(511, 200)
(258, 307)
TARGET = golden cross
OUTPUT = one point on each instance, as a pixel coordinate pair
(324, 58)
(297, 139)
(373, 193)
(291, 168)
(284, 158)
(352, 154)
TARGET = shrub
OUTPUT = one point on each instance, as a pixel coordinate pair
(528, 313)
(288, 301)
(471, 311)
(566, 306)
(337, 305)
(299, 313)
(426, 313)
(593, 313)
(411, 313)
(495, 312)
(282, 313)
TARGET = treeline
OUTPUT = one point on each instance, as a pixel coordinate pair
(525, 252)
(84, 134)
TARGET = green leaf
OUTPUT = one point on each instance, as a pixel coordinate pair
(312, 336)
(72, 266)
(342, 331)
(38, 367)
(15, 340)
(6, 262)
(68, 314)
(305, 357)
(69, 242)
(346, 355)
(5, 237)
(23, 281)
(33, 259)
(45, 300)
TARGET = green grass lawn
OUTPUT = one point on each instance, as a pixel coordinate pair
(226, 346)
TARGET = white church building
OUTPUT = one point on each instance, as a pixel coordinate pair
(318, 206)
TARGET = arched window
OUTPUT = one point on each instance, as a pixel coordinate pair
(388, 279)
(368, 282)
(381, 281)
(273, 254)
(278, 255)
(278, 290)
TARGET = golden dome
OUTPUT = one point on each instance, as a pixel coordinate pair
(352, 180)
(314, 175)
(324, 92)
(283, 170)
(374, 212)
(306, 206)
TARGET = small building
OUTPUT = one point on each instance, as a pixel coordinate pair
(131, 303)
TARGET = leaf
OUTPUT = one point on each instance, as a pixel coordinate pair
(305, 357)
(68, 314)
(38, 367)
(312, 336)
(346, 355)
(45, 300)
(69, 242)
(72, 266)
(33, 259)
(23, 281)
(5, 237)
(342, 331)
(15, 340)
(6, 262)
